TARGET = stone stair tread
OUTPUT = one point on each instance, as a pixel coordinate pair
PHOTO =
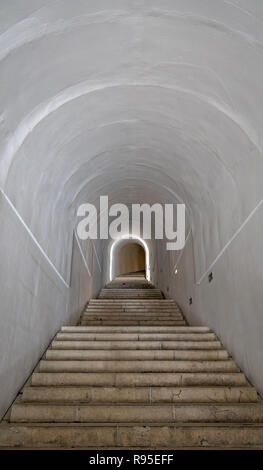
(176, 412)
(119, 379)
(182, 329)
(141, 355)
(165, 435)
(136, 345)
(138, 366)
(153, 395)
(133, 374)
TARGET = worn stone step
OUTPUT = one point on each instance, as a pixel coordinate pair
(139, 395)
(132, 303)
(143, 308)
(124, 313)
(134, 311)
(131, 318)
(135, 336)
(177, 413)
(137, 366)
(136, 345)
(126, 290)
(136, 436)
(131, 295)
(125, 379)
(137, 316)
(133, 322)
(138, 329)
(131, 355)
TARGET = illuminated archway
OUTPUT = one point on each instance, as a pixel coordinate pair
(141, 242)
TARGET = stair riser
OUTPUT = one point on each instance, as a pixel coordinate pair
(142, 303)
(129, 317)
(139, 395)
(132, 323)
(129, 301)
(132, 309)
(245, 413)
(137, 314)
(86, 320)
(112, 345)
(134, 337)
(130, 436)
(121, 329)
(137, 366)
(130, 295)
(157, 379)
(114, 296)
(129, 355)
(127, 289)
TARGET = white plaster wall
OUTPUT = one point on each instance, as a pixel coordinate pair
(35, 303)
(232, 303)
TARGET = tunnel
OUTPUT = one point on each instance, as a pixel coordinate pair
(146, 102)
(127, 258)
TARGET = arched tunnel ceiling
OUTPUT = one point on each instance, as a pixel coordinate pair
(143, 100)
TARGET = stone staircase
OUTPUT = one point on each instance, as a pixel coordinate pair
(133, 375)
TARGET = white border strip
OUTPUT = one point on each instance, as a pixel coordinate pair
(96, 255)
(230, 241)
(40, 247)
(81, 252)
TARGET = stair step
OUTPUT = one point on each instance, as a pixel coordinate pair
(135, 336)
(138, 329)
(134, 375)
(131, 355)
(137, 366)
(132, 303)
(139, 395)
(116, 345)
(133, 323)
(177, 413)
(129, 316)
(128, 436)
(130, 295)
(125, 379)
(137, 312)
(126, 290)
(134, 307)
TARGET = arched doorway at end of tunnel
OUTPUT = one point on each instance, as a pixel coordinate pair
(129, 257)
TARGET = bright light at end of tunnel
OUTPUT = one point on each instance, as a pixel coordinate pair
(140, 240)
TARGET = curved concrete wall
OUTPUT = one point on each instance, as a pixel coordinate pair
(146, 102)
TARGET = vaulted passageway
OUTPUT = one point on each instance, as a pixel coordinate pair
(144, 102)
(128, 257)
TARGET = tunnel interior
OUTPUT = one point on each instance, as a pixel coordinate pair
(128, 257)
(144, 102)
